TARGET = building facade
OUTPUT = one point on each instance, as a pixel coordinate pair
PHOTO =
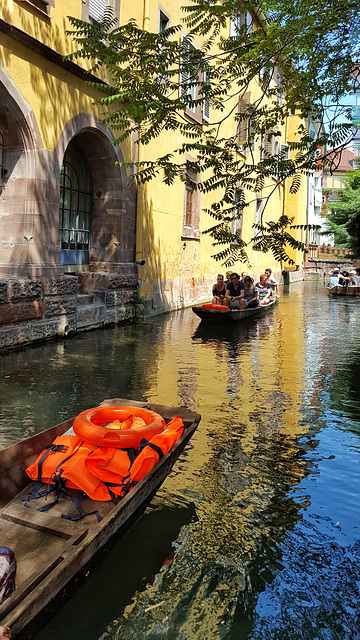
(80, 246)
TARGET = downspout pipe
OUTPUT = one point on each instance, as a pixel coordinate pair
(140, 220)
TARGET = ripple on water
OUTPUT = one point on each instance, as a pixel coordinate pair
(254, 535)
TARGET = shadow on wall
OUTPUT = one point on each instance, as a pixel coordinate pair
(160, 288)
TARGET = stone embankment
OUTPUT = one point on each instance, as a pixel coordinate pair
(34, 309)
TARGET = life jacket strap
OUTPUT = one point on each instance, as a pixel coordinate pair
(81, 513)
(145, 443)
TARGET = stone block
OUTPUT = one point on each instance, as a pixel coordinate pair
(113, 298)
(44, 329)
(63, 286)
(11, 336)
(106, 281)
(110, 317)
(129, 297)
(3, 290)
(90, 316)
(13, 312)
(119, 280)
(20, 289)
(58, 306)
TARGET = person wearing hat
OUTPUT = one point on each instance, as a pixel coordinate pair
(354, 278)
(334, 277)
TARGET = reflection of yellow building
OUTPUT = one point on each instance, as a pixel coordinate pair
(73, 234)
(237, 469)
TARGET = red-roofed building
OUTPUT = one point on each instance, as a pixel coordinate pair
(337, 165)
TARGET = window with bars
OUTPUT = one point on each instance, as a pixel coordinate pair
(75, 207)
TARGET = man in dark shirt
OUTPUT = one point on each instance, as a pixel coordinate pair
(235, 293)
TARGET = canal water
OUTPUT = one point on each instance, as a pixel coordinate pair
(255, 535)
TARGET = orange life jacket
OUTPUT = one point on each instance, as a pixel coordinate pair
(102, 473)
(83, 467)
(154, 449)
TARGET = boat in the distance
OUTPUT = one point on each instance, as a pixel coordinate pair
(52, 552)
(339, 290)
(218, 313)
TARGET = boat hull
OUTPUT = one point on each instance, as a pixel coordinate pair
(221, 316)
(62, 550)
(338, 290)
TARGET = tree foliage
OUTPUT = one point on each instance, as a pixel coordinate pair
(300, 53)
(344, 217)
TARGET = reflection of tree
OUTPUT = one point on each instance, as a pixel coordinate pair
(48, 383)
(225, 558)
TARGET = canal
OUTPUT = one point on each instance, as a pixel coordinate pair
(255, 535)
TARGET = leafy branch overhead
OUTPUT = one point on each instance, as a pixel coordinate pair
(300, 54)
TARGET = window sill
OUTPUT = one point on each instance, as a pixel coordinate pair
(43, 6)
(190, 234)
(194, 116)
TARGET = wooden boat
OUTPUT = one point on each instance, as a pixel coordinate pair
(222, 315)
(338, 290)
(52, 552)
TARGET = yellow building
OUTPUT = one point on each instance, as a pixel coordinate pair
(78, 242)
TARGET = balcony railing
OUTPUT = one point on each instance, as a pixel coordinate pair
(316, 252)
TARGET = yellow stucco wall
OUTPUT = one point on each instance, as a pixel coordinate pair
(168, 255)
(56, 96)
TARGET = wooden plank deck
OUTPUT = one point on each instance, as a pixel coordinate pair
(50, 550)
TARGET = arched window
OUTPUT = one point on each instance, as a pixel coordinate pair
(75, 207)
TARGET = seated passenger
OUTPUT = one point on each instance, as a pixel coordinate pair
(354, 278)
(235, 293)
(219, 290)
(251, 294)
(228, 277)
(334, 278)
(272, 282)
(344, 278)
(265, 293)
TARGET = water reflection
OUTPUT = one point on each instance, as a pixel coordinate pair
(266, 542)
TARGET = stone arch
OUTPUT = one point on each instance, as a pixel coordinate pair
(23, 142)
(114, 201)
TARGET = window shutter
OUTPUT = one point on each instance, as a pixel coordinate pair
(236, 226)
(284, 151)
(184, 76)
(243, 124)
(97, 9)
(269, 143)
(206, 98)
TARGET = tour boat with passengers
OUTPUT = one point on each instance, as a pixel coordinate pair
(221, 314)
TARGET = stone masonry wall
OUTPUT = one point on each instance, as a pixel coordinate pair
(40, 308)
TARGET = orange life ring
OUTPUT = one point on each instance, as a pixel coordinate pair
(120, 431)
(219, 307)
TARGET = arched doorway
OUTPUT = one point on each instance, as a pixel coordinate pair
(101, 234)
(75, 207)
